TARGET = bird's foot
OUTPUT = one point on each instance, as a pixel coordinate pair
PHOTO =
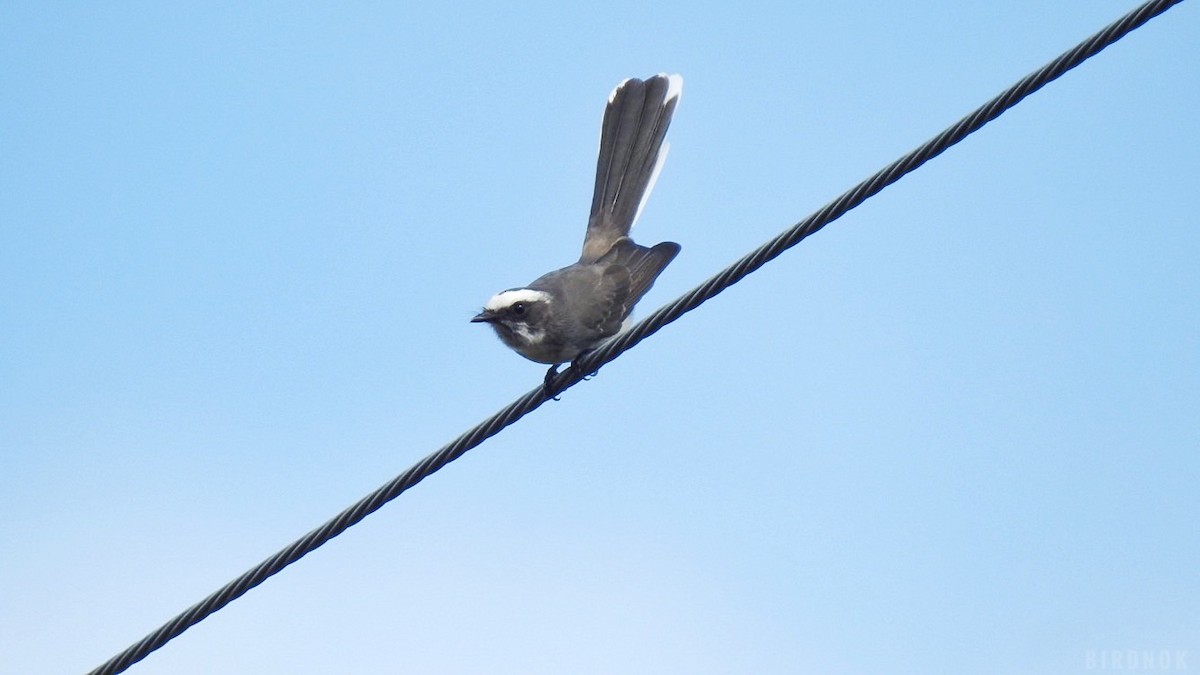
(550, 374)
(575, 367)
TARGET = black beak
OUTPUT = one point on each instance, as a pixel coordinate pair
(483, 317)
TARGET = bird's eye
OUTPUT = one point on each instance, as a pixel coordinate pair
(518, 308)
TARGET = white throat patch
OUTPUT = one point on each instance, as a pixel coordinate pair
(508, 298)
(530, 337)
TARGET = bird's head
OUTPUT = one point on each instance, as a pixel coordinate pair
(519, 316)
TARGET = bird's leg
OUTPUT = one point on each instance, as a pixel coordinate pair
(552, 372)
(550, 378)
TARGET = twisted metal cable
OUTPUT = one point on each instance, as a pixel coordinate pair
(626, 340)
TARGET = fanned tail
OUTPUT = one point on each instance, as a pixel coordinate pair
(631, 155)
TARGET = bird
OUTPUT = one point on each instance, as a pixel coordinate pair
(566, 313)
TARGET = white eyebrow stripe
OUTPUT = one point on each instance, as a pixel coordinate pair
(507, 298)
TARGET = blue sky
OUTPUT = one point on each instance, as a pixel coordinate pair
(955, 432)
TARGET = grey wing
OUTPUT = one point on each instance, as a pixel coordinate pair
(641, 264)
(603, 294)
(608, 306)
